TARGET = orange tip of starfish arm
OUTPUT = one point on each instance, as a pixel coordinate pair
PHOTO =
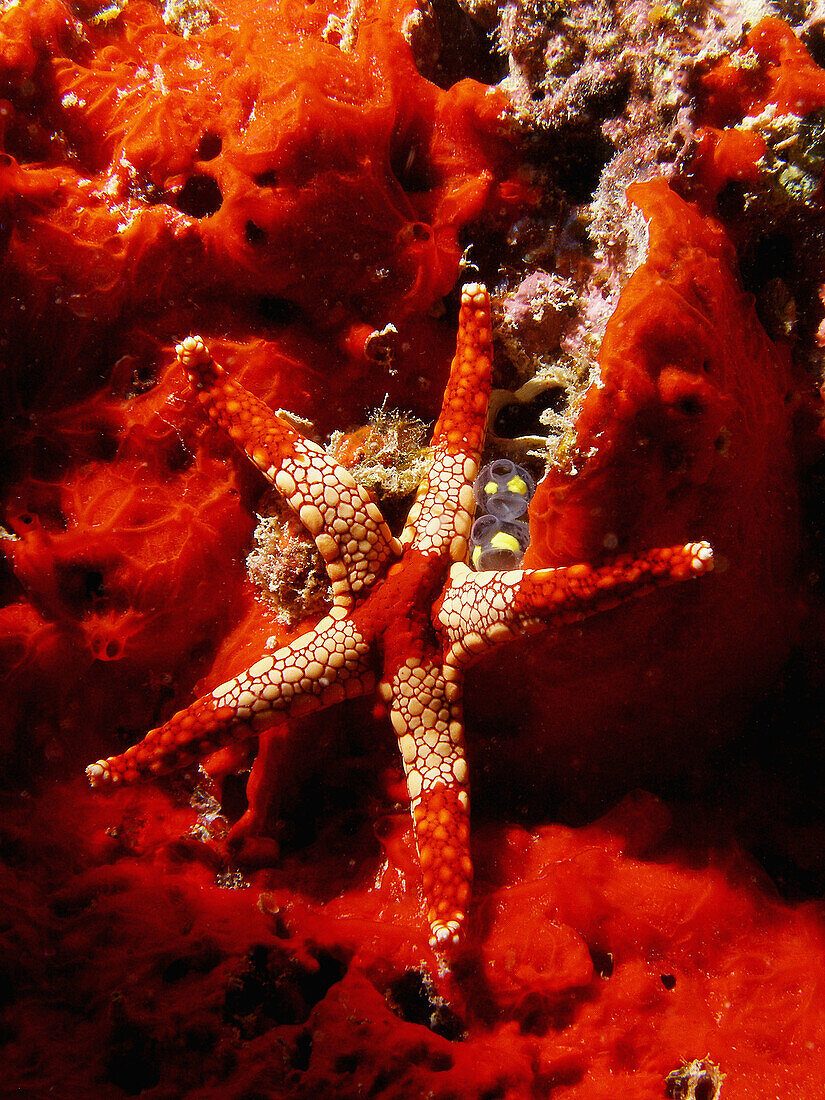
(702, 559)
(694, 559)
(192, 352)
(100, 774)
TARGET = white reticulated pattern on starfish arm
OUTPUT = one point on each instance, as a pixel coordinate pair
(341, 515)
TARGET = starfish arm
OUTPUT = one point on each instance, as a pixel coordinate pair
(442, 514)
(319, 668)
(426, 715)
(340, 514)
(477, 611)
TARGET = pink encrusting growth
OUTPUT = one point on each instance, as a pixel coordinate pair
(409, 610)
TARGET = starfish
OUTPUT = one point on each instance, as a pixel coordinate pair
(407, 614)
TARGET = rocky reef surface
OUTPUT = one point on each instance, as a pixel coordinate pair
(307, 186)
